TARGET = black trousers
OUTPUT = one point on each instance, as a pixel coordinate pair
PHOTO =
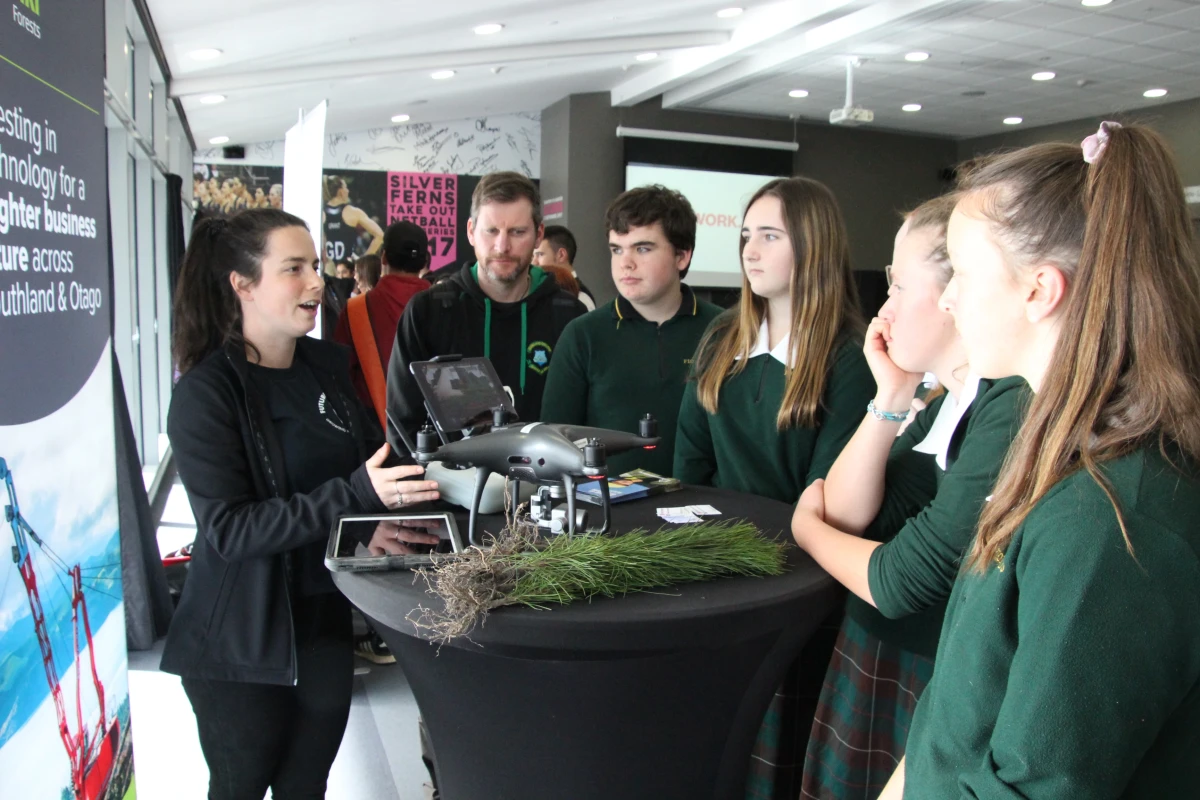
(258, 736)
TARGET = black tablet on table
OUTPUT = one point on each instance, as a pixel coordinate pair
(377, 542)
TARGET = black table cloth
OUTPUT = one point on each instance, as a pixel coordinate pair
(653, 695)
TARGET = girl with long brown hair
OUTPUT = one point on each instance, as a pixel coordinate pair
(780, 380)
(1069, 661)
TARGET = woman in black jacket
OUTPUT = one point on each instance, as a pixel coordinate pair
(272, 447)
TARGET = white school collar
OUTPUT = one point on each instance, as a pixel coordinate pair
(937, 441)
(763, 346)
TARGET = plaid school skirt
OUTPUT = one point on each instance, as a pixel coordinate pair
(863, 716)
(777, 761)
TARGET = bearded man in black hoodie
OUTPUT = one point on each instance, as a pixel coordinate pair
(500, 307)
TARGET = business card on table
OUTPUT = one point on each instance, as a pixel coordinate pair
(680, 519)
(704, 511)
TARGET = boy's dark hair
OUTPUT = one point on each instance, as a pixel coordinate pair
(647, 205)
(506, 187)
(405, 247)
(558, 236)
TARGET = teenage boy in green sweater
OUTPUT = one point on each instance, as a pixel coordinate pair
(631, 357)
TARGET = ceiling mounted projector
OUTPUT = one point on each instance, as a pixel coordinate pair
(851, 114)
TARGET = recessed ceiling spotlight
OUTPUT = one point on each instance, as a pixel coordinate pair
(205, 54)
(218, 140)
(442, 74)
(798, 93)
(917, 55)
(647, 56)
(400, 118)
(911, 107)
(1095, 3)
(1154, 93)
(212, 99)
(1013, 120)
(730, 13)
(488, 28)
(1043, 76)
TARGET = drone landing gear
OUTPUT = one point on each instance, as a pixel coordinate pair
(543, 511)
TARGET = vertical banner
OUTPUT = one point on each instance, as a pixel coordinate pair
(64, 699)
(302, 152)
(303, 149)
(431, 201)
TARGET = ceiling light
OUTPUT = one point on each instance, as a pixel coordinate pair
(911, 107)
(1013, 120)
(729, 13)
(212, 99)
(798, 93)
(1094, 3)
(488, 28)
(1043, 76)
(400, 118)
(917, 55)
(647, 56)
(218, 140)
(442, 74)
(1154, 93)
(205, 54)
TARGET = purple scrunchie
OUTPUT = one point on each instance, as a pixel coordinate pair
(1093, 146)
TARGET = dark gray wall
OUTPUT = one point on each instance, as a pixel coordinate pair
(1178, 122)
(555, 166)
(873, 174)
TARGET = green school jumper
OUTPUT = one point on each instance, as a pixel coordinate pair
(740, 448)
(1070, 668)
(611, 367)
(914, 527)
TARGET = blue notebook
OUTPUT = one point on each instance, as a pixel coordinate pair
(627, 486)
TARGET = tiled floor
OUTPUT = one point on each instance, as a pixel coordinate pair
(380, 754)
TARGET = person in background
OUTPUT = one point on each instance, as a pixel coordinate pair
(341, 221)
(366, 273)
(1069, 661)
(405, 253)
(927, 485)
(557, 249)
(565, 280)
(272, 449)
(343, 270)
(501, 307)
(632, 357)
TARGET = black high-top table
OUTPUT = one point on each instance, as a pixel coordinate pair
(653, 695)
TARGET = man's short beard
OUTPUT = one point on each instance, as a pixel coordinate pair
(518, 275)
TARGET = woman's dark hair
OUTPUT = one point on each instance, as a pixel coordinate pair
(207, 313)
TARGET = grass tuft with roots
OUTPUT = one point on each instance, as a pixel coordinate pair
(522, 568)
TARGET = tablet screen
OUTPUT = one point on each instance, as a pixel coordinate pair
(373, 537)
(460, 393)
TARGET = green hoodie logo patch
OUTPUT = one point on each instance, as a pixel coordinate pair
(538, 357)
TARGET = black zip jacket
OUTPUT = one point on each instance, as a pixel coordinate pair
(234, 619)
(456, 317)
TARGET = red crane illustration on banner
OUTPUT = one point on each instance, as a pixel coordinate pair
(91, 756)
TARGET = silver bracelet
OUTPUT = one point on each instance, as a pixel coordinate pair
(885, 415)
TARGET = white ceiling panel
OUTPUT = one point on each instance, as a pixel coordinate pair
(373, 58)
